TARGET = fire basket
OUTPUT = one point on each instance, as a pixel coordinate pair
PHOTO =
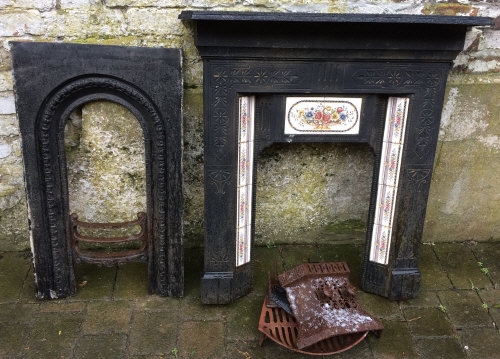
(113, 257)
(320, 315)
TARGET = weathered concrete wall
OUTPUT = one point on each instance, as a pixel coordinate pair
(331, 182)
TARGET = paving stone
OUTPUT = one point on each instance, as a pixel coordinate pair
(241, 349)
(442, 348)
(28, 290)
(264, 263)
(461, 265)
(360, 351)
(395, 342)
(193, 309)
(464, 308)
(488, 254)
(56, 306)
(14, 263)
(481, 343)
(424, 299)
(94, 282)
(492, 298)
(54, 335)
(10, 289)
(152, 333)
(107, 346)
(433, 275)
(378, 306)
(18, 313)
(131, 281)
(243, 318)
(193, 271)
(107, 317)
(153, 303)
(427, 322)
(201, 339)
(14, 267)
(13, 338)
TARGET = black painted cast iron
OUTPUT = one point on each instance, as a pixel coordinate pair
(272, 55)
(51, 80)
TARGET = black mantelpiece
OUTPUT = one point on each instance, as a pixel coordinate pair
(253, 62)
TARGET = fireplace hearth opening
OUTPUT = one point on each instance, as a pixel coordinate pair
(104, 148)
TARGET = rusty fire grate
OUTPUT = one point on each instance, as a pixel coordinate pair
(326, 317)
(113, 257)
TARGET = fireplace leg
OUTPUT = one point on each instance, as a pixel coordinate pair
(405, 283)
(216, 287)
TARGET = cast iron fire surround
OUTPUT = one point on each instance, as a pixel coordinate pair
(271, 56)
(51, 80)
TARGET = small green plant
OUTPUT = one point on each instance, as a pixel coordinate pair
(175, 351)
(270, 245)
(472, 285)
(443, 308)
(485, 306)
(483, 268)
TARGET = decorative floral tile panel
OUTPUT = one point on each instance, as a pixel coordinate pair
(390, 165)
(245, 173)
(322, 115)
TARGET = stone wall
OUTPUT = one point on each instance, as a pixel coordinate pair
(331, 182)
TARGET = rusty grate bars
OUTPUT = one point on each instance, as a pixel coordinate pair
(115, 257)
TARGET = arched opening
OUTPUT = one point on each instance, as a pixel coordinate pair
(105, 161)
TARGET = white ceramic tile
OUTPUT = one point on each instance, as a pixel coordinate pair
(386, 197)
(381, 242)
(243, 164)
(390, 164)
(395, 123)
(245, 172)
(245, 206)
(242, 246)
(248, 244)
(322, 115)
(246, 119)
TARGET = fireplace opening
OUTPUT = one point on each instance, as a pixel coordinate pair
(313, 193)
(105, 162)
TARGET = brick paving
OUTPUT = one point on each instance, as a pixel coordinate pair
(457, 314)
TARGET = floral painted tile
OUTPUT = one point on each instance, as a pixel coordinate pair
(384, 210)
(244, 206)
(245, 175)
(322, 115)
(246, 120)
(390, 164)
(395, 122)
(381, 241)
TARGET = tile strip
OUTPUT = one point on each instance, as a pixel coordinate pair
(390, 165)
(245, 175)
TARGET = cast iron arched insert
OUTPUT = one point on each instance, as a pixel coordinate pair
(145, 81)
